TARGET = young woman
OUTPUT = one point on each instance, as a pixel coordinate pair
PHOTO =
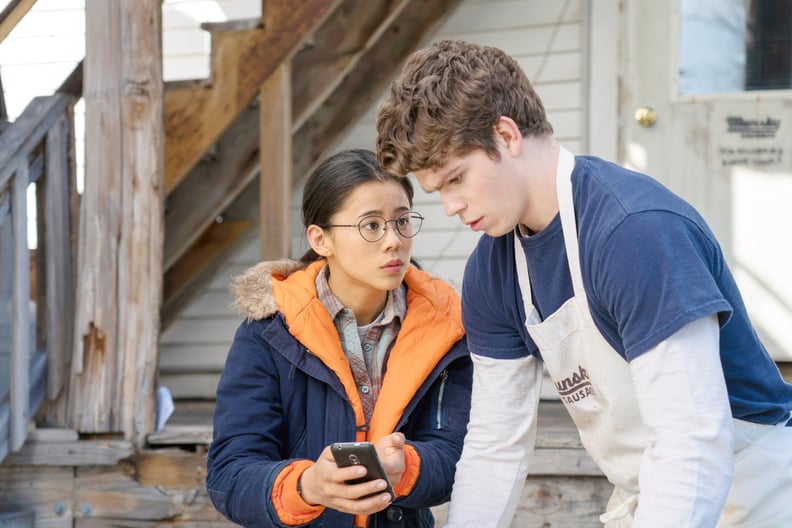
(351, 343)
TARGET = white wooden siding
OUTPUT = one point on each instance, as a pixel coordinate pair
(545, 37)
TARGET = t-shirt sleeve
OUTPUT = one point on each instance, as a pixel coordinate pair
(656, 272)
(492, 317)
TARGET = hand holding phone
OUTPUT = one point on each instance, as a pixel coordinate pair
(361, 454)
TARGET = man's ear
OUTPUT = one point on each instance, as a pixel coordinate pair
(508, 134)
(318, 240)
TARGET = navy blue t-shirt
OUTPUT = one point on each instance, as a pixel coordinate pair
(650, 265)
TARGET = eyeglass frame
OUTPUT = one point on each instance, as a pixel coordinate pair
(359, 225)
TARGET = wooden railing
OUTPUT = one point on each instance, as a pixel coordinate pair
(13, 12)
(37, 148)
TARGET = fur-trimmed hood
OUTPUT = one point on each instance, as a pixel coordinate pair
(252, 290)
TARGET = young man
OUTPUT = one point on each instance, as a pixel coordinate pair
(612, 282)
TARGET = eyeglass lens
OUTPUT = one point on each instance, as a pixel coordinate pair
(372, 228)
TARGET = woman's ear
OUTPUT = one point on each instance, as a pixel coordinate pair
(318, 240)
(508, 134)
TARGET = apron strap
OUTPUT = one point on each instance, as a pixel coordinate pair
(566, 207)
(566, 163)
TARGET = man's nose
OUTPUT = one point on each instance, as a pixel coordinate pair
(452, 205)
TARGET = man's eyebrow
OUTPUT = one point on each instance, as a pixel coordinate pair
(449, 174)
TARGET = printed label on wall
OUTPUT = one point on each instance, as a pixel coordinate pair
(754, 135)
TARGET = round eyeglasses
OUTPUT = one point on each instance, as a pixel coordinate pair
(372, 228)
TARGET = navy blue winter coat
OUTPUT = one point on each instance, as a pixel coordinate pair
(285, 394)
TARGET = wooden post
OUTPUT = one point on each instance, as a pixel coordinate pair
(119, 279)
(275, 154)
(58, 253)
(20, 341)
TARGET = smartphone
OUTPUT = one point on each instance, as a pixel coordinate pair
(361, 454)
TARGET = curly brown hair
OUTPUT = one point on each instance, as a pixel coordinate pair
(446, 101)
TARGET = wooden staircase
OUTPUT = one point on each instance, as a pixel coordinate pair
(213, 166)
(336, 57)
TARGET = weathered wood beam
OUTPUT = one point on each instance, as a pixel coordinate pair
(362, 85)
(275, 164)
(12, 14)
(197, 265)
(241, 61)
(3, 108)
(20, 313)
(786, 370)
(72, 452)
(58, 254)
(102, 496)
(211, 186)
(334, 50)
(27, 131)
(119, 283)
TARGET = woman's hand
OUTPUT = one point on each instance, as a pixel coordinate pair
(324, 483)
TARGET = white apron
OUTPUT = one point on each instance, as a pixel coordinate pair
(595, 384)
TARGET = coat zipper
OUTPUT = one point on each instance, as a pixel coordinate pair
(443, 378)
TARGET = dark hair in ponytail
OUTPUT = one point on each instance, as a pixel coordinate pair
(334, 180)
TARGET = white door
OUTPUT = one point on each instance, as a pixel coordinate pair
(723, 147)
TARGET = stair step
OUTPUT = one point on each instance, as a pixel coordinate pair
(17, 519)
(243, 24)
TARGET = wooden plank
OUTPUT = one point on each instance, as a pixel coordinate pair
(275, 157)
(553, 461)
(53, 435)
(73, 84)
(75, 453)
(182, 435)
(212, 185)
(12, 14)
(170, 468)
(215, 244)
(107, 493)
(240, 63)
(114, 498)
(193, 357)
(786, 370)
(104, 497)
(46, 490)
(3, 108)
(140, 264)
(360, 88)
(334, 51)
(95, 396)
(219, 330)
(4, 426)
(565, 502)
(197, 385)
(499, 15)
(22, 136)
(20, 312)
(120, 274)
(56, 216)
